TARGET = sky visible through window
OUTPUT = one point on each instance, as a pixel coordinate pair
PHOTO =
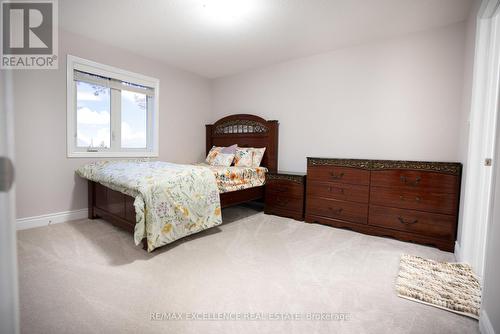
(94, 117)
(134, 120)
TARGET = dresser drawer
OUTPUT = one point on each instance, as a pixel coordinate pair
(284, 202)
(429, 181)
(414, 199)
(338, 174)
(340, 191)
(349, 211)
(428, 224)
(285, 187)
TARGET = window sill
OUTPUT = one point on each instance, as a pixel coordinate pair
(141, 154)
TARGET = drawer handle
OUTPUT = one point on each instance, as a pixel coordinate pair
(340, 189)
(411, 183)
(279, 190)
(336, 211)
(417, 198)
(407, 222)
(337, 176)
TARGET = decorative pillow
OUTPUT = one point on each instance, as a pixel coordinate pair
(243, 157)
(216, 150)
(248, 156)
(258, 154)
(212, 154)
(222, 159)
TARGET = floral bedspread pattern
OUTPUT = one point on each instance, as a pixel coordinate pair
(237, 178)
(171, 200)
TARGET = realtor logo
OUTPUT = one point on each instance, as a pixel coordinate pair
(29, 34)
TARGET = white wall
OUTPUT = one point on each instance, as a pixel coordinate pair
(46, 182)
(395, 99)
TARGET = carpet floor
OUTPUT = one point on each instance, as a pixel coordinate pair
(88, 277)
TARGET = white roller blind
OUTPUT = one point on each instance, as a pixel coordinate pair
(112, 83)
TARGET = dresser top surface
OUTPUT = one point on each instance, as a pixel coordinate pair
(282, 172)
(454, 168)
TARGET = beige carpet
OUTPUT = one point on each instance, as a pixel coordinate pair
(450, 286)
(87, 277)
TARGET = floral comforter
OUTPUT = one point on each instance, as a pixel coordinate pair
(237, 178)
(171, 200)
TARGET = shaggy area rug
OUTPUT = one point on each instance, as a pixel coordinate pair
(450, 286)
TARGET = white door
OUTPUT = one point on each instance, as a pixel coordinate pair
(478, 192)
(9, 304)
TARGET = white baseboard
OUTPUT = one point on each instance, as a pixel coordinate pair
(485, 326)
(458, 252)
(52, 218)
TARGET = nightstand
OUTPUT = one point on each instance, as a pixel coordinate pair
(285, 194)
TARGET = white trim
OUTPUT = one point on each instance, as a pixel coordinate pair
(483, 129)
(110, 82)
(458, 252)
(489, 8)
(485, 326)
(9, 286)
(112, 72)
(51, 218)
(116, 115)
(110, 154)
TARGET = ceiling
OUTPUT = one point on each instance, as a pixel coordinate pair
(215, 38)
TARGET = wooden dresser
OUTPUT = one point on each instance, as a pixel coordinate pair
(285, 194)
(407, 200)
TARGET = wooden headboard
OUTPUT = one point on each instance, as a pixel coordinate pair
(246, 131)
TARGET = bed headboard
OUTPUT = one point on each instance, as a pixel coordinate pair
(246, 131)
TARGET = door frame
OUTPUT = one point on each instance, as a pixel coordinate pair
(483, 119)
(9, 296)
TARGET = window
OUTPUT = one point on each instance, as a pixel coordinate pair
(111, 112)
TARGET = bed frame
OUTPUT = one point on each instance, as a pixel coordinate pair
(246, 131)
(242, 129)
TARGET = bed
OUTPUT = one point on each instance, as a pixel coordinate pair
(117, 207)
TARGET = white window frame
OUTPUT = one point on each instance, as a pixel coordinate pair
(84, 65)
